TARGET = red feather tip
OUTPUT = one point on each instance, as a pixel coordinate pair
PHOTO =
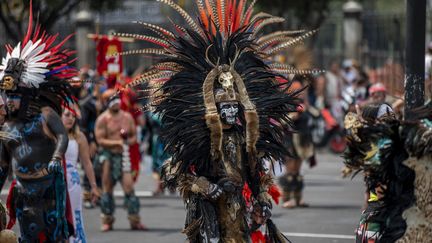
(274, 193)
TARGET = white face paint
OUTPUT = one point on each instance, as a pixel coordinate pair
(228, 112)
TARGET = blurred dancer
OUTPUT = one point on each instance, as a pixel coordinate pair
(115, 131)
(300, 147)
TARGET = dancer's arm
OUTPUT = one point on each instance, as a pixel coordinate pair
(55, 126)
(84, 156)
(4, 164)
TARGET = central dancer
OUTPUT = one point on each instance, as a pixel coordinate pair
(224, 110)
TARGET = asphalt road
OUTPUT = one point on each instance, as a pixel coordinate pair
(331, 218)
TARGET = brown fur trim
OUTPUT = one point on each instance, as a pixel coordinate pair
(215, 125)
(200, 185)
(244, 97)
(212, 117)
(184, 185)
(266, 181)
(134, 219)
(107, 219)
(208, 91)
(188, 184)
(252, 130)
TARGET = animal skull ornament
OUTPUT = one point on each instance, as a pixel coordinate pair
(12, 74)
(226, 79)
(228, 112)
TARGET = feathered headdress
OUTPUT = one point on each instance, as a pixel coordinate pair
(38, 66)
(224, 48)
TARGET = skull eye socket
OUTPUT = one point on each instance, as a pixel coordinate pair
(226, 79)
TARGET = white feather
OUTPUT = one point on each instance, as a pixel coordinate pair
(16, 51)
(37, 58)
(36, 51)
(37, 64)
(37, 70)
(26, 53)
(33, 79)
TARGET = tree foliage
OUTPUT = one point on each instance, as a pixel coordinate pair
(14, 13)
(309, 14)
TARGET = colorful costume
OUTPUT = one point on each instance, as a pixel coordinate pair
(75, 191)
(222, 113)
(33, 75)
(300, 147)
(374, 146)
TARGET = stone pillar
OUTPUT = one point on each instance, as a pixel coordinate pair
(84, 45)
(352, 29)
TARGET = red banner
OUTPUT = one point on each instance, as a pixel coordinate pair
(106, 62)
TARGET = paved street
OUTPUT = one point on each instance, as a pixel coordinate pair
(335, 206)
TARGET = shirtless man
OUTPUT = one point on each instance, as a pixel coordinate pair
(115, 131)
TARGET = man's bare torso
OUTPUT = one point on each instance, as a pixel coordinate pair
(113, 124)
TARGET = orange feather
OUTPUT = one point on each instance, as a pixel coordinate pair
(211, 28)
(203, 14)
(219, 5)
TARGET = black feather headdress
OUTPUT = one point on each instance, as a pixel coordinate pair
(226, 37)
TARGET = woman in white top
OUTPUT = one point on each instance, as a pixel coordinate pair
(78, 149)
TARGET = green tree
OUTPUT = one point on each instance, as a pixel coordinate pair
(14, 13)
(308, 14)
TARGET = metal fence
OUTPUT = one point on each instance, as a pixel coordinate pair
(382, 46)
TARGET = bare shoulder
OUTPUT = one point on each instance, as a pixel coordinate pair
(82, 138)
(127, 115)
(102, 117)
(46, 110)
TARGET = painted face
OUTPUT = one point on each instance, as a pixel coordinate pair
(12, 74)
(228, 112)
(68, 119)
(13, 103)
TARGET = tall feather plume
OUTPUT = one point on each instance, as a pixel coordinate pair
(278, 34)
(154, 40)
(221, 13)
(291, 42)
(30, 25)
(166, 34)
(248, 14)
(202, 13)
(273, 42)
(153, 51)
(268, 21)
(184, 14)
(167, 66)
(209, 7)
(214, 13)
(151, 75)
